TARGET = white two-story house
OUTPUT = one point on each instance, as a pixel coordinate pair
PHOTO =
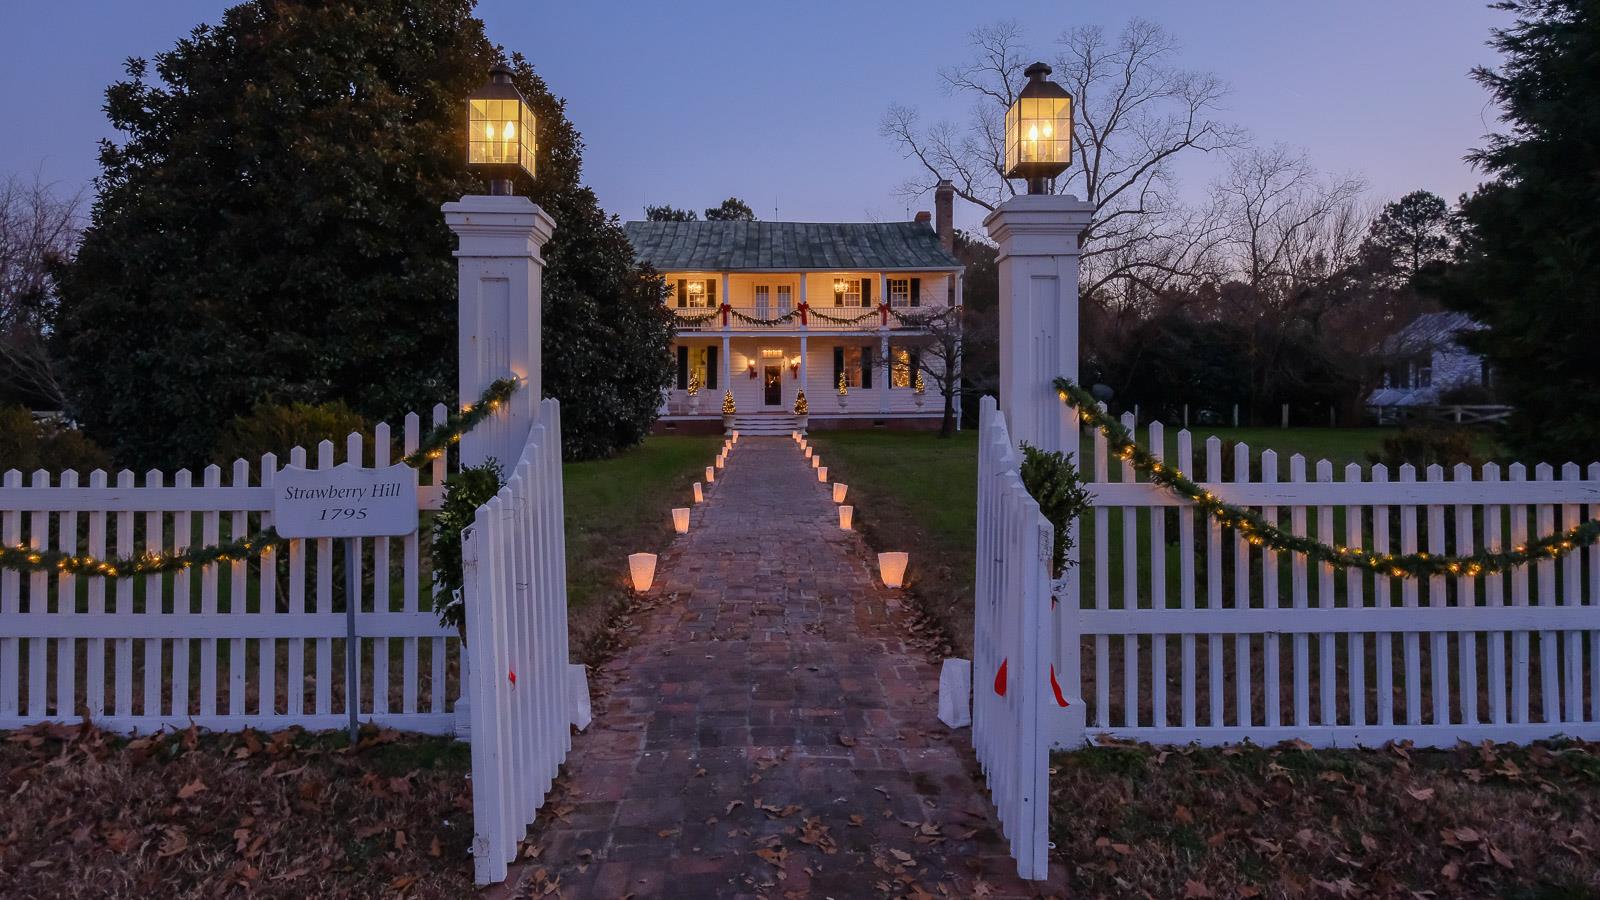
(767, 309)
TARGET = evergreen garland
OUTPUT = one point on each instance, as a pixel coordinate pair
(1261, 533)
(844, 320)
(23, 558)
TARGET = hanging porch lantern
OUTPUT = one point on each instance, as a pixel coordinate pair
(1039, 131)
(500, 131)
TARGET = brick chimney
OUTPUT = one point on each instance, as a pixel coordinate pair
(924, 218)
(944, 199)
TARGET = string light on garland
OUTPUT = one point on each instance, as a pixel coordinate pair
(439, 438)
(1255, 529)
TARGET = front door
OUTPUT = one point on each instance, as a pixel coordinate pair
(774, 386)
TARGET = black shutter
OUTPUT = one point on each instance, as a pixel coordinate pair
(838, 365)
(916, 366)
(711, 292)
(916, 292)
(683, 294)
(683, 367)
(866, 367)
(711, 367)
(866, 292)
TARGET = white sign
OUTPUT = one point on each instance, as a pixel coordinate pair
(345, 501)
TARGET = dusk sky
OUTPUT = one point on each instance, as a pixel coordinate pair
(688, 102)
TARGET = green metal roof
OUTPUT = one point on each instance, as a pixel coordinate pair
(787, 246)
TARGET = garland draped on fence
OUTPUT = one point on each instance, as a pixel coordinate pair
(263, 543)
(700, 319)
(1259, 532)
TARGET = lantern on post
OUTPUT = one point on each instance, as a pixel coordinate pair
(1039, 131)
(500, 131)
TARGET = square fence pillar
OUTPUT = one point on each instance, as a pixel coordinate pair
(1038, 262)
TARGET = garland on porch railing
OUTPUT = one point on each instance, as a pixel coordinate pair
(700, 319)
(1259, 532)
(22, 558)
(789, 316)
(843, 320)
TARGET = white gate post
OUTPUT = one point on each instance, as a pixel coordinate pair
(500, 271)
(499, 282)
(1038, 260)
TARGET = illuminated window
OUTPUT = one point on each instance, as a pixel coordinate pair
(847, 292)
(763, 298)
(852, 366)
(700, 365)
(899, 292)
(785, 299)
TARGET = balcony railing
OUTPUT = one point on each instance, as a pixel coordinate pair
(814, 318)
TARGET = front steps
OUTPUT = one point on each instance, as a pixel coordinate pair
(765, 423)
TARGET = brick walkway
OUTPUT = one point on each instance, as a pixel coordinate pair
(771, 730)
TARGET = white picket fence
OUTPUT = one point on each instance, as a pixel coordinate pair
(256, 643)
(1010, 731)
(1189, 633)
(515, 593)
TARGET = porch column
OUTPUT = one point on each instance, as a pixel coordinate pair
(1038, 252)
(727, 369)
(499, 273)
(886, 381)
(803, 355)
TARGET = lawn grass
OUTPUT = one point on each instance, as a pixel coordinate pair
(619, 506)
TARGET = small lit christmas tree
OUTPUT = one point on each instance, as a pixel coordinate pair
(727, 402)
(801, 407)
(918, 385)
(844, 385)
(694, 384)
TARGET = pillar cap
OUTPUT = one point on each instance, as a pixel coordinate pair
(1039, 224)
(498, 225)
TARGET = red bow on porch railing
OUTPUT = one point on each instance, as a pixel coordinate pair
(883, 314)
(804, 308)
(725, 309)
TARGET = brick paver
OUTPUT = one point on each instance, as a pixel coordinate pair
(771, 729)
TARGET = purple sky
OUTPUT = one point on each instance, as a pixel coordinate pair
(690, 101)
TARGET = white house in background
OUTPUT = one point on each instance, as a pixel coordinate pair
(768, 308)
(1424, 360)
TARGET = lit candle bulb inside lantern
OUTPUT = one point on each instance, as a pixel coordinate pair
(642, 569)
(839, 491)
(822, 474)
(680, 519)
(699, 495)
(846, 513)
(892, 568)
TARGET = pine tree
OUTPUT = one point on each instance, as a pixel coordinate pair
(1529, 263)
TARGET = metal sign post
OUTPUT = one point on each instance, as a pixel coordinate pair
(351, 502)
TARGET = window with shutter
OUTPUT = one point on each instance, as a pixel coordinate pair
(899, 292)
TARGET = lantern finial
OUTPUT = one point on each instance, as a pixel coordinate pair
(500, 130)
(1039, 130)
